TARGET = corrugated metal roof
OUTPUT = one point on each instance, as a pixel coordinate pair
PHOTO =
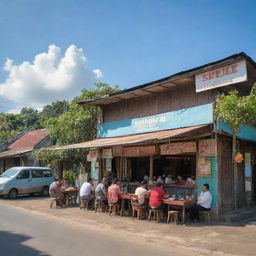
(14, 152)
(30, 139)
(141, 138)
(122, 95)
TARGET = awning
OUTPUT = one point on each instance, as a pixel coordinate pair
(186, 133)
(14, 152)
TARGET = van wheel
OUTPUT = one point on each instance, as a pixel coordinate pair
(13, 193)
(45, 191)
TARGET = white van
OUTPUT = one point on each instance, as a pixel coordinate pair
(25, 180)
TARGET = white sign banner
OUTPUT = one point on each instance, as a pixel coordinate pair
(229, 74)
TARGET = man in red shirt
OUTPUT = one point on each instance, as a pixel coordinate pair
(156, 197)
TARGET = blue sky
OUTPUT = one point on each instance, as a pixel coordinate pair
(131, 42)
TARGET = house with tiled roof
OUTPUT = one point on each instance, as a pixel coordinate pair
(18, 151)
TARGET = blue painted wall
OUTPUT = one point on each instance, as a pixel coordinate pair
(198, 115)
(246, 131)
(212, 181)
(94, 171)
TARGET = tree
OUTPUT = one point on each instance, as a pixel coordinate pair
(77, 124)
(54, 109)
(236, 110)
(30, 118)
(5, 129)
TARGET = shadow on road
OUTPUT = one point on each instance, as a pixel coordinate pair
(12, 244)
(25, 197)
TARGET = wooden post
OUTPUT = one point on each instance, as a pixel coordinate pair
(151, 167)
(125, 167)
(121, 168)
(235, 169)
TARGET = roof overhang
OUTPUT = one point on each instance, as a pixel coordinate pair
(174, 80)
(14, 152)
(145, 138)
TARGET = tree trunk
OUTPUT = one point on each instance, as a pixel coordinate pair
(235, 169)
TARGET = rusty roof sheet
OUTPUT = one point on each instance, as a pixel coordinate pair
(14, 152)
(29, 139)
(142, 138)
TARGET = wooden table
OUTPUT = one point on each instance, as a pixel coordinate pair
(124, 197)
(69, 193)
(183, 204)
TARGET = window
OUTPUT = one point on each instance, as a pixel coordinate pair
(37, 174)
(47, 173)
(24, 174)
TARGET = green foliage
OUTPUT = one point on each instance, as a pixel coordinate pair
(237, 109)
(70, 175)
(78, 123)
(55, 109)
(30, 118)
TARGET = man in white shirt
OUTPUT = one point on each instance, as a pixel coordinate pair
(142, 192)
(203, 203)
(168, 179)
(86, 190)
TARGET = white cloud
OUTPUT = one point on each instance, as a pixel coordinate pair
(49, 77)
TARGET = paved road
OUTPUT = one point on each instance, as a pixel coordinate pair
(28, 234)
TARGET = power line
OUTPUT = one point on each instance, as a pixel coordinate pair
(14, 102)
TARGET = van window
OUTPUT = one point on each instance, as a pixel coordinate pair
(37, 174)
(24, 174)
(47, 173)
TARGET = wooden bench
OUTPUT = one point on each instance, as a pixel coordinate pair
(113, 208)
(206, 215)
(172, 216)
(52, 201)
(156, 214)
(136, 209)
(99, 205)
(84, 204)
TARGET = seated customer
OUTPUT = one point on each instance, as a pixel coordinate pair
(180, 181)
(156, 197)
(114, 192)
(146, 178)
(86, 191)
(101, 192)
(191, 180)
(124, 186)
(55, 191)
(168, 179)
(64, 183)
(203, 203)
(160, 180)
(154, 179)
(142, 192)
